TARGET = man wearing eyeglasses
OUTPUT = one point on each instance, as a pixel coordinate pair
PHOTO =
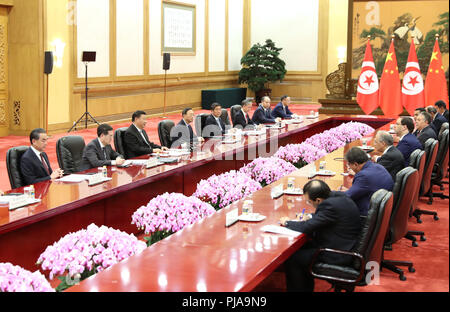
(335, 225)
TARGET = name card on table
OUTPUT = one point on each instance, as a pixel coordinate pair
(232, 217)
(152, 162)
(97, 179)
(18, 201)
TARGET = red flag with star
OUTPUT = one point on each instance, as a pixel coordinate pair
(435, 83)
(390, 95)
(413, 95)
(367, 96)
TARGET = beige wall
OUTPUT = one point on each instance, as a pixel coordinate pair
(114, 97)
(58, 27)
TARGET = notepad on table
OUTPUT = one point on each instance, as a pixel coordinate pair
(280, 230)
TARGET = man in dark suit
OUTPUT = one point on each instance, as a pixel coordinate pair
(242, 120)
(34, 164)
(438, 119)
(335, 224)
(417, 112)
(408, 142)
(214, 125)
(263, 114)
(99, 153)
(391, 158)
(424, 131)
(369, 178)
(183, 132)
(282, 109)
(136, 142)
(442, 109)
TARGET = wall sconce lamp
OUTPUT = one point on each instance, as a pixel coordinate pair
(58, 51)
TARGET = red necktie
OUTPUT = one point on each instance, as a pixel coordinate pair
(45, 164)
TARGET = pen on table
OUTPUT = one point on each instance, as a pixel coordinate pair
(301, 216)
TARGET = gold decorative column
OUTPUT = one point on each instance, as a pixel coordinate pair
(4, 122)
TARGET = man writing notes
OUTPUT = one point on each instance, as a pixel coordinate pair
(135, 140)
(408, 143)
(335, 224)
(183, 132)
(391, 158)
(34, 164)
(282, 109)
(263, 114)
(438, 119)
(442, 109)
(369, 178)
(99, 153)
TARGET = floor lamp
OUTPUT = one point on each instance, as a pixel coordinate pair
(87, 58)
(166, 67)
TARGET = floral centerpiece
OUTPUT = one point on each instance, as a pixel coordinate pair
(222, 190)
(16, 279)
(87, 252)
(329, 140)
(300, 154)
(268, 170)
(353, 131)
(168, 214)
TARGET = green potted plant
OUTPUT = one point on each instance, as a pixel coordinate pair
(261, 65)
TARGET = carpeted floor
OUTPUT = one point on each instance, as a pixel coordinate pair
(431, 258)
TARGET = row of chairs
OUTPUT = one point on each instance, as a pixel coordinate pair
(387, 219)
(69, 149)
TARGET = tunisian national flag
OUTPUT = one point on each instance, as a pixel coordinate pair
(435, 84)
(413, 95)
(367, 96)
(390, 95)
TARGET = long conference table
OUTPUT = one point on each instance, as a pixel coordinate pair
(206, 256)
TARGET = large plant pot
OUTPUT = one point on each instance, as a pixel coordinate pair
(261, 93)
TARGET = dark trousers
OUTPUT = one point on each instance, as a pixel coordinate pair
(298, 278)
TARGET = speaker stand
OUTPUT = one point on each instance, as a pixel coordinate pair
(86, 114)
(165, 95)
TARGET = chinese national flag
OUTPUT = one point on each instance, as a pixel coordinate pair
(390, 95)
(367, 96)
(435, 83)
(412, 89)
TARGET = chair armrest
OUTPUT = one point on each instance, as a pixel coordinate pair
(339, 252)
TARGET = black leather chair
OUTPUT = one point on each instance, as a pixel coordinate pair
(404, 187)
(417, 161)
(233, 111)
(440, 167)
(443, 128)
(118, 141)
(431, 149)
(13, 156)
(225, 118)
(69, 151)
(200, 121)
(164, 128)
(369, 247)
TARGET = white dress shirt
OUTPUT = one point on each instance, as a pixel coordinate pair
(113, 162)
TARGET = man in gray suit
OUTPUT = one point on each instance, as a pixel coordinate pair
(99, 153)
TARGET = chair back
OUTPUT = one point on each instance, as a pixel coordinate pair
(233, 111)
(118, 141)
(431, 149)
(417, 161)
(200, 121)
(13, 156)
(442, 157)
(224, 117)
(405, 186)
(375, 226)
(164, 128)
(69, 151)
(443, 128)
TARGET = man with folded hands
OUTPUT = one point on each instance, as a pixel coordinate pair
(335, 224)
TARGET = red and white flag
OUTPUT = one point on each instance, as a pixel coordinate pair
(367, 96)
(413, 95)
